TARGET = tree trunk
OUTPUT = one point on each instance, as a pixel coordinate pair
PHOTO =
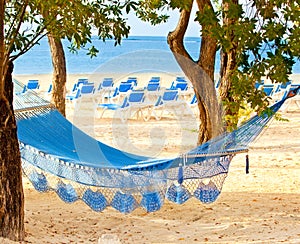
(228, 66)
(206, 61)
(11, 189)
(208, 48)
(59, 78)
(200, 73)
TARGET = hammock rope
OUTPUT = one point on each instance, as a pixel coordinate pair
(57, 156)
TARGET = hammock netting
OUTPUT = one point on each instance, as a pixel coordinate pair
(58, 156)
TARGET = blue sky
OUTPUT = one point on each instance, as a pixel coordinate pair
(140, 28)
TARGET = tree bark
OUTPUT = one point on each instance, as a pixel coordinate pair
(208, 48)
(228, 57)
(200, 73)
(11, 188)
(59, 77)
(228, 64)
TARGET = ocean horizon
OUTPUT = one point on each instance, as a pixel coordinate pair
(135, 54)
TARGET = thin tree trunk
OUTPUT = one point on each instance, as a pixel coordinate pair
(59, 77)
(228, 66)
(200, 73)
(11, 188)
(3, 66)
(208, 48)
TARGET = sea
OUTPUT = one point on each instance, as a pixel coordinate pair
(135, 54)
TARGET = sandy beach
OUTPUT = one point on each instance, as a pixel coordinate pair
(260, 207)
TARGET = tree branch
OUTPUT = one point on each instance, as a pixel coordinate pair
(12, 34)
(29, 45)
(208, 43)
(175, 38)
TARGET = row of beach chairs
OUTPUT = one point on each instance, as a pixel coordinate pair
(107, 90)
(278, 91)
(82, 86)
(127, 99)
(138, 104)
(34, 85)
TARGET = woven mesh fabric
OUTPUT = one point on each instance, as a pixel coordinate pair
(58, 156)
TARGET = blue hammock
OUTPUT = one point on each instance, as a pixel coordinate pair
(57, 156)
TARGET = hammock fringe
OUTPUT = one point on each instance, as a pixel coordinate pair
(59, 157)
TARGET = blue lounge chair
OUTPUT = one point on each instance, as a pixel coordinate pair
(125, 87)
(106, 90)
(133, 105)
(180, 78)
(87, 89)
(185, 89)
(285, 85)
(183, 86)
(72, 97)
(132, 80)
(123, 90)
(138, 106)
(153, 86)
(180, 84)
(33, 85)
(169, 102)
(86, 96)
(259, 84)
(107, 83)
(103, 107)
(154, 79)
(84, 91)
(77, 85)
(153, 92)
(82, 81)
(268, 89)
(117, 94)
(280, 91)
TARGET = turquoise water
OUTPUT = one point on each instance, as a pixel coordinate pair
(135, 54)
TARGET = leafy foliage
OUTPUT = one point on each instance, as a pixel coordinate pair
(265, 43)
(77, 20)
(262, 37)
(180, 4)
(149, 10)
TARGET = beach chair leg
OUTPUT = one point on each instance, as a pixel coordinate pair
(137, 113)
(157, 114)
(76, 104)
(131, 113)
(140, 114)
(147, 116)
(185, 109)
(125, 115)
(99, 114)
(118, 114)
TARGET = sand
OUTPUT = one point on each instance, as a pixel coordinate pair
(260, 207)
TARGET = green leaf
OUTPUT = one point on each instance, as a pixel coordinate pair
(92, 51)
